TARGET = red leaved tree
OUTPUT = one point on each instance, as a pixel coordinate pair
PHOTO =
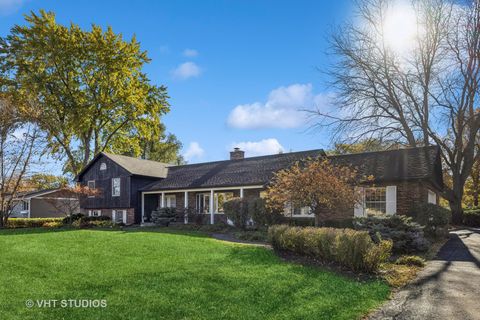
(315, 183)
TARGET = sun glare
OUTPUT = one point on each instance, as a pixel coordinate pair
(400, 27)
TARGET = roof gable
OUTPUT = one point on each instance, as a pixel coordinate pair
(132, 165)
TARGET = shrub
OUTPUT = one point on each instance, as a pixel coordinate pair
(434, 218)
(407, 236)
(99, 218)
(349, 248)
(163, 216)
(236, 210)
(471, 218)
(73, 217)
(52, 224)
(411, 261)
(262, 215)
(30, 222)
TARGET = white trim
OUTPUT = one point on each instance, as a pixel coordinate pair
(162, 200)
(29, 207)
(143, 207)
(431, 197)
(88, 186)
(124, 215)
(391, 200)
(119, 187)
(359, 208)
(204, 189)
(241, 192)
(185, 205)
(212, 214)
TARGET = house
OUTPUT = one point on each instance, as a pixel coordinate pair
(119, 179)
(403, 179)
(41, 204)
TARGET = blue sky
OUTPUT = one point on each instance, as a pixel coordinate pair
(237, 71)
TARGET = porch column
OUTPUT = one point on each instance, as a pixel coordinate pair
(185, 218)
(241, 192)
(143, 207)
(162, 201)
(212, 217)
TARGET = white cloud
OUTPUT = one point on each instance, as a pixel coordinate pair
(283, 109)
(190, 53)
(186, 70)
(194, 151)
(10, 6)
(259, 148)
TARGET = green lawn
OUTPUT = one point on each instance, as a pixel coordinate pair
(158, 275)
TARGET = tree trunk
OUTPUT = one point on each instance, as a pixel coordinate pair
(317, 220)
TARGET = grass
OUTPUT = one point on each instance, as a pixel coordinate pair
(168, 275)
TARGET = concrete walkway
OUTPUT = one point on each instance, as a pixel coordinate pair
(448, 287)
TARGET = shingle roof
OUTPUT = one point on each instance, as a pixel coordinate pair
(248, 171)
(140, 167)
(134, 166)
(397, 165)
(36, 193)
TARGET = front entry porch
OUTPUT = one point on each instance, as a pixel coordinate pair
(208, 202)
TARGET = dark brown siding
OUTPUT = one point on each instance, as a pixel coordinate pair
(103, 182)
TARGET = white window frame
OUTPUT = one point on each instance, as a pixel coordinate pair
(206, 203)
(103, 166)
(432, 197)
(123, 212)
(169, 200)
(94, 213)
(375, 189)
(88, 185)
(115, 194)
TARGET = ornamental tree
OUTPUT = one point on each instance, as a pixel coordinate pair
(68, 198)
(315, 183)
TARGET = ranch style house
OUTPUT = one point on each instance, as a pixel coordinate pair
(131, 188)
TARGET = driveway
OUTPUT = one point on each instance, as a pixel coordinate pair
(448, 287)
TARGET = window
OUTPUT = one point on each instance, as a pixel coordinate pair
(119, 216)
(203, 202)
(91, 185)
(170, 201)
(103, 166)
(25, 206)
(116, 187)
(297, 211)
(95, 213)
(375, 201)
(432, 197)
(219, 199)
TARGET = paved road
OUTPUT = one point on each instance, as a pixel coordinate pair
(448, 287)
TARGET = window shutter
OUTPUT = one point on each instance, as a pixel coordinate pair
(358, 209)
(391, 198)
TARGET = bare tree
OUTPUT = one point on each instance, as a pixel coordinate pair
(425, 95)
(17, 149)
(67, 199)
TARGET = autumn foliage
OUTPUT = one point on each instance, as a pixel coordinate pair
(315, 183)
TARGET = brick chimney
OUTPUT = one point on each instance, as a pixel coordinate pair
(237, 154)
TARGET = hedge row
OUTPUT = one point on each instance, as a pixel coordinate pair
(34, 222)
(346, 247)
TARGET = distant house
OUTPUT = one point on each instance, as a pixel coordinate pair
(40, 204)
(132, 188)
